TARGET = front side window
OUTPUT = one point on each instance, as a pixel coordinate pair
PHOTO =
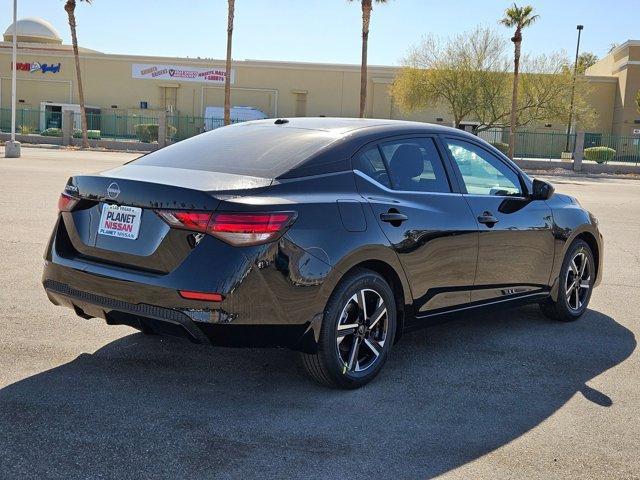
(483, 173)
(415, 165)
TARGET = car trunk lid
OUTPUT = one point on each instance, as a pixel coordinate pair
(116, 222)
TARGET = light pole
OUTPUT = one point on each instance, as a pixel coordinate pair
(573, 88)
(12, 148)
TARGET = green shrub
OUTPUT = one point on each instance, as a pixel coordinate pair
(148, 132)
(51, 132)
(599, 154)
(503, 147)
(91, 134)
(27, 129)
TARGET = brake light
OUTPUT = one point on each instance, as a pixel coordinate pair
(204, 296)
(235, 228)
(188, 220)
(66, 203)
(249, 228)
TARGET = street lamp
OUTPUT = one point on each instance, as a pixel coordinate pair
(573, 88)
(12, 148)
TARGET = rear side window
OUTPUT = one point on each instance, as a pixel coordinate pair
(370, 163)
(415, 165)
(252, 150)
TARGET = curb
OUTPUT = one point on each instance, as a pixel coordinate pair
(568, 174)
(70, 148)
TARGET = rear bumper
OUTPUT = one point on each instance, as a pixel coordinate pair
(273, 294)
(276, 283)
(179, 322)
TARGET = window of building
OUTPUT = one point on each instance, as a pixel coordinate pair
(301, 103)
(169, 98)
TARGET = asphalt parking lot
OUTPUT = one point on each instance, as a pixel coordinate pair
(509, 395)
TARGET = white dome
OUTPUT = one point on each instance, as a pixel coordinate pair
(33, 30)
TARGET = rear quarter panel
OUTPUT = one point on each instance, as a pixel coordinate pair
(320, 229)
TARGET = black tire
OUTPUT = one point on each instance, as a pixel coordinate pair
(564, 308)
(331, 365)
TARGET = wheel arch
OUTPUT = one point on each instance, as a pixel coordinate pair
(391, 276)
(590, 239)
(588, 235)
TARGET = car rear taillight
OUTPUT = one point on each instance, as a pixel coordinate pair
(66, 202)
(188, 220)
(249, 228)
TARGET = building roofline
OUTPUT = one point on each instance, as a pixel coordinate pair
(628, 43)
(322, 65)
(599, 78)
(65, 50)
(49, 47)
(381, 70)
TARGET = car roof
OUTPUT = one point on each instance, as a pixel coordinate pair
(344, 126)
(350, 133)
(285, 148)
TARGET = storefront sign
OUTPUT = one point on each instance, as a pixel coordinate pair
(179, 73)
(636, 131)
(37, 67)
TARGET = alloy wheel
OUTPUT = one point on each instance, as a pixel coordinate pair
(578, 281)
(362, 331)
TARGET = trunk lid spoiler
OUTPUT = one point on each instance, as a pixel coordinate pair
(163, 187)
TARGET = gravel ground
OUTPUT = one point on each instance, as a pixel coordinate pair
(508, 395)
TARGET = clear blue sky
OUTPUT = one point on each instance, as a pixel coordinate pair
(322, 30)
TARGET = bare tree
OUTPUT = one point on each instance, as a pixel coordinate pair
(461, 72)
(544, 95)
(469, 74)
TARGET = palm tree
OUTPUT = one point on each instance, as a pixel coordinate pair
(70, 8)
(227, 75)
(367, 7)
(520, 18)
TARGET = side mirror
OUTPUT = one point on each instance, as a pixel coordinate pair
(541, 190)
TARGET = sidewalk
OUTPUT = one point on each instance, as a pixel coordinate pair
(588, 167)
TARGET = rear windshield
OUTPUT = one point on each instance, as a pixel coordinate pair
(263, 151)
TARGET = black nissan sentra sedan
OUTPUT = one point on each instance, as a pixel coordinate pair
(328, 236)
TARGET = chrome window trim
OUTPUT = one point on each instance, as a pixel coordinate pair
(389, 190)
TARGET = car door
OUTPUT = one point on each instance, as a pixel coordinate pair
(516, 245)
(427, 221)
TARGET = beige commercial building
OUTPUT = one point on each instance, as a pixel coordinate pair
(131, 85)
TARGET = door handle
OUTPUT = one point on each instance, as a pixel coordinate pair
(392, 217)
(488, 219)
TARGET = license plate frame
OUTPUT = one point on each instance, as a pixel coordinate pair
(120, 221)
